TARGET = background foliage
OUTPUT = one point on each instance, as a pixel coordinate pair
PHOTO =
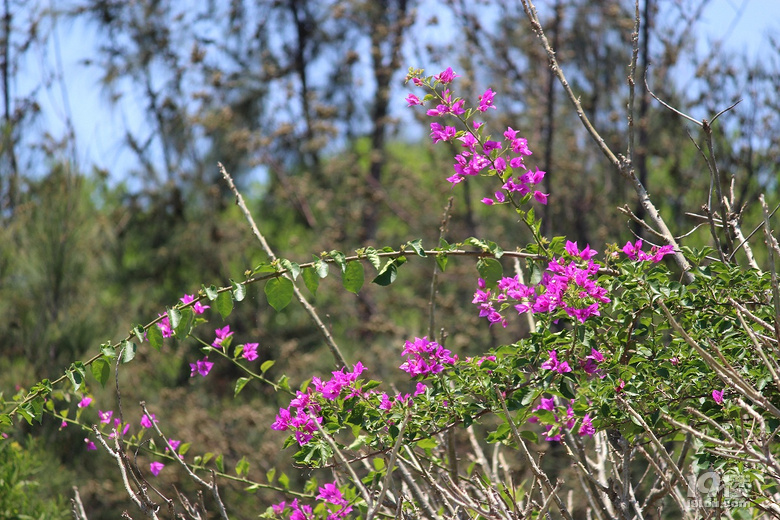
(299, 100)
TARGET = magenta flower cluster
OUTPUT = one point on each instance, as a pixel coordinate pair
(634, 252)
(105, 417)
(302, 416)
(567, 422)
(564, 285)
(425, 357)
(589, 365)
(480, 155)
(330, 494)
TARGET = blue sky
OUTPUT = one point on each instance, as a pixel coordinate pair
(736, 25)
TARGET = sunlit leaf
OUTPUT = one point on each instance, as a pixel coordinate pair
(279, 292)
(353, 277)
(101, 369)
(224, 304)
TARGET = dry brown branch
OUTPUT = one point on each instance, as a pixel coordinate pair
(622, 164)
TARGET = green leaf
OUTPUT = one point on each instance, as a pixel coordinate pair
(239, 291)
(220, 462)
(353, 277)
(76, 376)
(311, 280)
(321, 268)
(566, 389)
(101, 370)
(373, 257)
(427, 444)
(224, 304)
(266, 366)
(138, 330)
(270, 474)
(240, 384)
(417, 246)
(291, 267)
(155, 337)
(529, 217)
(279, 292)
(174, 316)
(389, 272)
(387, 275)
(472, 241)
(128, 349)
(184, 327)
(211, 292)
(108, 350)
(501, 433)
(339, 258)
(490, 270)
(441, 261)
(242, 468)
(529, 436)
(264, 267)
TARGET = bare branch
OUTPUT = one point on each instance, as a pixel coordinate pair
(334, 348)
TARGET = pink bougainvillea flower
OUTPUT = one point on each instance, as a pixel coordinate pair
(442, 133)
(105, 417)
(122, 431)
(413, 100)
(486, 101)
(425, 357)
(634, 252)
(90, 445)
(146, 423)
(165, 326)
(573, 249)
(446, 76)
(222, 334)
(384, 402)
(718, 396)
(489, 146)
(331, 494)
(554, 364)
(156, 468)
(197, 308)
(202, 367)
(586, 428)
(541, 197)
(63, 424)
(85, 401)
(249, 351)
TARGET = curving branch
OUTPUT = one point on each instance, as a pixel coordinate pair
(622, 164)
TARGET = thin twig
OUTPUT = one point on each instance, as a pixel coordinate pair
(77, 508)
(725, 372)
(530, 460)
(334, 349)
(771, 245)
(435, 276)
(390, 467)
(622, 164)
(343, 461)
